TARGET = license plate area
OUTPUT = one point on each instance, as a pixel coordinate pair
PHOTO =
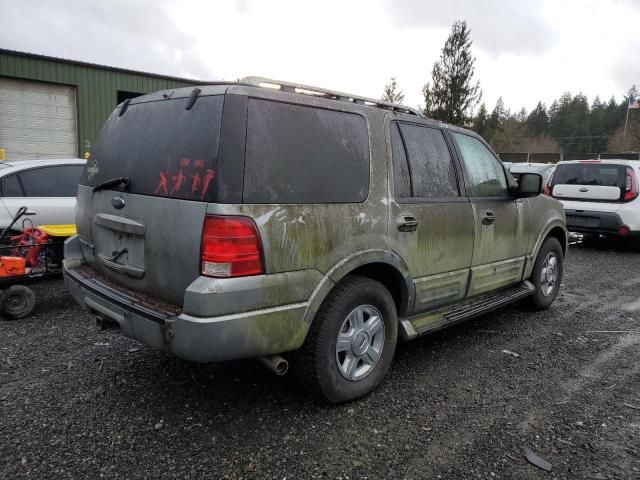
(120, 251)
(583, 221)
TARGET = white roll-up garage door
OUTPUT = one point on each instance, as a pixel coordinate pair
(37, 120)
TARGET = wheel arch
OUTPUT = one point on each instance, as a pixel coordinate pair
(381, 265)
(561, 235)
(556, 229)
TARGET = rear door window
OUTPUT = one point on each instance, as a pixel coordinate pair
(430, 164)
(55, 181)
(163, 148)
(301, 154)
(590, 174)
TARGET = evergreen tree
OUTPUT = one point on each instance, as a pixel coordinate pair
(538, 120)
(452, 93)
(498, 117)
(392, 92)
(480, 121)
(599, 136)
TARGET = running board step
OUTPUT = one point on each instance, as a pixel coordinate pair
(437, 319)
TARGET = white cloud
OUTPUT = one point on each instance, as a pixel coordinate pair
(526, 51)
(498, 26)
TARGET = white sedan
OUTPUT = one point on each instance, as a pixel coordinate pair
(46, 187)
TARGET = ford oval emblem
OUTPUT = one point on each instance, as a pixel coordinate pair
(583, 189)
(117, 202)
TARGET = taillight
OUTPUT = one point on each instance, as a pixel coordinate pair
(230, 247)
(631, 185)
(547, 188)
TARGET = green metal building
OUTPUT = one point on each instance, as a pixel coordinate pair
(54, 108)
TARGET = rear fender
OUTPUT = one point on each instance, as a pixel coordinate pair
(351, 263)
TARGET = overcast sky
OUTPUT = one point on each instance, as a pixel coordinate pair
(527, 50)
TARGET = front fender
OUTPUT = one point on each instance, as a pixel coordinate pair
(550, 224)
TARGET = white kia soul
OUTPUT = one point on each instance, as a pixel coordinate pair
(599, 196)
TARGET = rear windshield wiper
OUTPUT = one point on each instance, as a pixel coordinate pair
(112, 182)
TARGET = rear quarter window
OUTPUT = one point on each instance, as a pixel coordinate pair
(300, 154)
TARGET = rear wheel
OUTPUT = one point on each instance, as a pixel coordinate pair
(547, 274)
(351, 342)
(17, 301)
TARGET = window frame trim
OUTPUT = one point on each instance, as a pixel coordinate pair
(460, 186)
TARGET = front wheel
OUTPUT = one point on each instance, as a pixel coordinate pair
(351, 342)
(547, 274)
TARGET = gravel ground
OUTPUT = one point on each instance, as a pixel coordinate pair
(75, 402)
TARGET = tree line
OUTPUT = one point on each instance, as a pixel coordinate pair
(571, 124)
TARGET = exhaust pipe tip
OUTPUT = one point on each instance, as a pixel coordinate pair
(103, 323)
(276, 364)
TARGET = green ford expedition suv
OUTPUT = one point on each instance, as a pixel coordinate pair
(295, 224)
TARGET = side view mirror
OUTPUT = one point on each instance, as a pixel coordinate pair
(529, 185)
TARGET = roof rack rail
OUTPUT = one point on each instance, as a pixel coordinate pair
(326, 93)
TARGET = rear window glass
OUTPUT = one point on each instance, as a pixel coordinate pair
(299, 154)
(164, 149)
(590, 174)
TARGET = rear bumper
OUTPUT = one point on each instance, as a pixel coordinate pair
(200, 339)
(583, 221)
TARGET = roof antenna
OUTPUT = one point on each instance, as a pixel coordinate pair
(193, 98)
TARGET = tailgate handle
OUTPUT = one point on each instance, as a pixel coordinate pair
(128, 270)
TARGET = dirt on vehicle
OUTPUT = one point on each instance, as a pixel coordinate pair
(463, 403)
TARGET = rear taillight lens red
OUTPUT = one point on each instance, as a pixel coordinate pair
(631, 185)
(547, 187)
(230, 247)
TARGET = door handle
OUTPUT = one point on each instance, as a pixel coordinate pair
(488, 217)
(407, 223)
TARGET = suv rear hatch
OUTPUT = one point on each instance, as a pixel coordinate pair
(589, 182)
(144, 232)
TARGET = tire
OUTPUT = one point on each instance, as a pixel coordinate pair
(349, 311)
(17, 302)
(543, 295)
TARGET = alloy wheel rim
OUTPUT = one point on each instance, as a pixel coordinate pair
(360, 342)
(549, 274)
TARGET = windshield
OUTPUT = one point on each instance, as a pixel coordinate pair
(162, 148)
